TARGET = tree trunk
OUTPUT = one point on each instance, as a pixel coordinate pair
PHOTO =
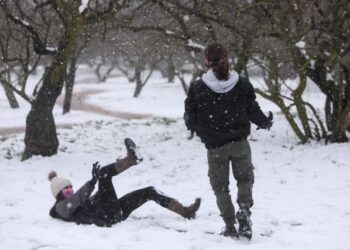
(69, 86)
(137, 90)
(343, 121)
(107, 74)
(184, 85)
(40, 136)
(97, 71)
(170, 70)
(243, 57)
(347, 93)
(10, 97)
(300, 105)
(139, 83)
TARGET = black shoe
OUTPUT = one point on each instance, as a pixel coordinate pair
(132, 150)
(245, 224)
(230, 232)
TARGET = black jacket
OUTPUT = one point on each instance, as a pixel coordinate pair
(222, 118)
(81, 208)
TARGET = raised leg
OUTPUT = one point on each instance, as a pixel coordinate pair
(105, 199)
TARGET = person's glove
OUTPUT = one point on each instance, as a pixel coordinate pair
(95, 172)
(268, 123)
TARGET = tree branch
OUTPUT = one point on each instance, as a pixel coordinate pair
(39, 47)
(20, 93)
(113, 7)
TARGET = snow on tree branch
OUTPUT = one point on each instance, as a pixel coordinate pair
(84, 5)
(194, 46)
(39, 47)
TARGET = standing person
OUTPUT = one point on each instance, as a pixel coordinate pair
(219, 109)
(104, 208)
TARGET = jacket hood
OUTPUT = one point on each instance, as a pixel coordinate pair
(220, 86)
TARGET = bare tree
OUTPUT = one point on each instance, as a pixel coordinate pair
(298, 40)
(40, 136)
(308, 33)
(17, 60)
(5, 68)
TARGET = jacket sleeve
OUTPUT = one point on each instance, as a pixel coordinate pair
(190, 115)
(69, 205)
(254, 111)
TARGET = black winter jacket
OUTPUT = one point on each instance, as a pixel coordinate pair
(222, 118)
(80, 208)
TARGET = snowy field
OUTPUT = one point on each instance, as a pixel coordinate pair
(300, 193)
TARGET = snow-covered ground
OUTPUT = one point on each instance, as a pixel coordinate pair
(300, 193)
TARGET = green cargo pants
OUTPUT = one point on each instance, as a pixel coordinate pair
(239, 154)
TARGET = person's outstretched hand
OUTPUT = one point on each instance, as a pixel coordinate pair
(95, 172)
(268, 123)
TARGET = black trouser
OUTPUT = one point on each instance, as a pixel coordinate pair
(114, 210)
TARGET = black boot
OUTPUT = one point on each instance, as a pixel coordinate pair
(133, 157)
(230, 231)
(245, 224)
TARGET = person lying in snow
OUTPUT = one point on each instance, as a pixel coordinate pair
(104, 208)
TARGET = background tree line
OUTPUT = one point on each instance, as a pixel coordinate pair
(287, 43)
